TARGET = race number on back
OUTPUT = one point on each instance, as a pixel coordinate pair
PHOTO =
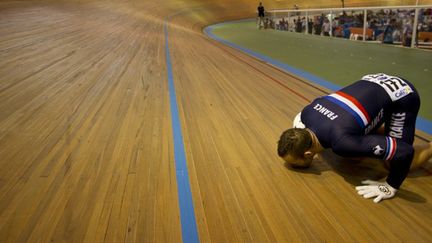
(395, 87)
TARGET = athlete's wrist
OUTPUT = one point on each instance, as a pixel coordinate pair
(393, 184)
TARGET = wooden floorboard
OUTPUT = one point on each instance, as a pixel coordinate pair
(86, 148)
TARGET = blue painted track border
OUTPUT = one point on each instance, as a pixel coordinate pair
(421, 123)
(187, 213)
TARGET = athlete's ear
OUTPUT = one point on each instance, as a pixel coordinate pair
(308, 155)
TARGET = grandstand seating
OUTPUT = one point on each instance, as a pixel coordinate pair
(425, 36)
(359, 32)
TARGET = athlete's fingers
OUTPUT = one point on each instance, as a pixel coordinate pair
(358, 188)
(378, 199)
(370, 194)
(363, 192)
(370, 182)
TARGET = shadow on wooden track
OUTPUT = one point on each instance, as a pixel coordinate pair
(355, 170)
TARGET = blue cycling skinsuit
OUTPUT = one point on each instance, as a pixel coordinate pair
(346, 121)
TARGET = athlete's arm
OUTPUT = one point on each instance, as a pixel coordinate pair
(399, 154)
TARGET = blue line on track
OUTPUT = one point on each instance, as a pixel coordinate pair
(421, 123)
(187, 213)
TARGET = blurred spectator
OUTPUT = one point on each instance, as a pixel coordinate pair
(397, 36)
(298, 27)
(283, 25)
(317, 26)
(310, 26)
(267, 23)
(388, 32)
(261, 13)
(326, 27)
(407, 33)
(303, 25)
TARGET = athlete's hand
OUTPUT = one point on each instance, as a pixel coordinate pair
(379, 190)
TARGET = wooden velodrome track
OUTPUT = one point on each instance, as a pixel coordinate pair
(86, 148)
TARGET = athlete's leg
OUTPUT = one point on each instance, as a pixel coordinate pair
(400, 121)
(400, 124)
(422, 153)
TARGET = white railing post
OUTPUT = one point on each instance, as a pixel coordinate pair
(414, 32)
(364, 24)
(288, 21)
(331, 23)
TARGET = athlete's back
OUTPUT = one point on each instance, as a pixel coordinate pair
(357, 109)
